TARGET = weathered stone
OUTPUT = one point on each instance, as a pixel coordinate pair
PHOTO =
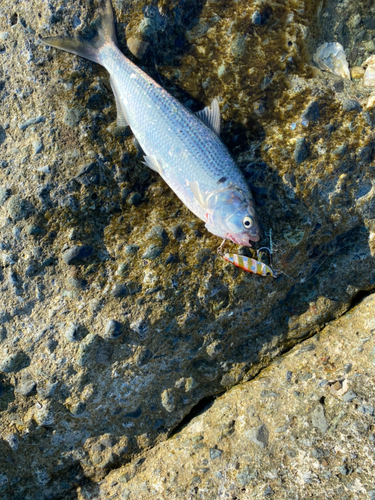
(77, 254)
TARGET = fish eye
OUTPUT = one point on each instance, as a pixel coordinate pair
(247, 222)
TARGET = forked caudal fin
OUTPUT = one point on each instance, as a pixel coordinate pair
(89, 49)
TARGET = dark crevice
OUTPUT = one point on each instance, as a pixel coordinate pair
(359, 296)
(14, 19)
(201, 407)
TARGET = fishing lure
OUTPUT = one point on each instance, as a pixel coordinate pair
(250, 265)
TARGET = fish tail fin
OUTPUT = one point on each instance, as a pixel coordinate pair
(89, 49)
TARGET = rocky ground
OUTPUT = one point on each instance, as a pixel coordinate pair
(119, 322)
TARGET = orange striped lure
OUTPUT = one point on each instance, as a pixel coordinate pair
(250, 265)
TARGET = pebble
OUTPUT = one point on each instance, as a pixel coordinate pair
(37, 147)
(31, 121)
(26, 386)
(142, 356)
(350, 105)
(18, 208)
(258, 435)
(340, 150)
(131, 249)
(134, 199)
(33, 230)
(72, 333)
(311, 113)
(238, 46)
(318, 419)
(5, 193)
(215, 453)
(85, 349)
(73, 116)
(13, 362)
(119, 290)
(369, 22)
(152, 252)
(113, 330)
(168, 400)
(77, 409)
(47, 390)
(203, 254)
(301, 151)
(77, 253)
(159, 233)
(137, 46)
(256, 18)
(122, 270)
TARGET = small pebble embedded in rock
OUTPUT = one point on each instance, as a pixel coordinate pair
(113, 330)
(76, 254)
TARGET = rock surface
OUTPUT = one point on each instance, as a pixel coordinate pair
(303, 428)
(102, 356)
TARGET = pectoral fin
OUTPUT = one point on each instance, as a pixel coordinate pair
(121, 117)
(154, 164)
(210, 116)
(194, 186)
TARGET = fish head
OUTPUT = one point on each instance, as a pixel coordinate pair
(231, 215)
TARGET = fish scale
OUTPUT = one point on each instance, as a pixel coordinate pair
(187, 153)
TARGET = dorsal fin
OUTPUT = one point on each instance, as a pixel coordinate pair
(121, 118)
(210, 116)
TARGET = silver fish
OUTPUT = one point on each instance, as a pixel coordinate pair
(183, 147)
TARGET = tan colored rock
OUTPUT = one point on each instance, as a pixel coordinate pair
(356, 72)
(303, 427)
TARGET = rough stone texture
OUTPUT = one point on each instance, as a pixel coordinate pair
(73, 407)
(304, 428)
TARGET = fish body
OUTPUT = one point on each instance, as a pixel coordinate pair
(250, 265)
(183, 147)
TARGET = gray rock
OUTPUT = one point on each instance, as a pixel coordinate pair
(215, 453)
(238, 46)
(152, 252)
(14, 362)
(5, 193)
(168, 400)
(203, 254)
(113, 330)
(301, 151)
(37, 147)
(86, 349)
(349, 396)
(73, 116)
(258, 435)
(26, 386)
(120, 290)
(311, 113)
(31, 121)
(76, 254)
(318, 419)
(18, 208)
(340, 150)
(131, 249)
(72, 333)
(256, 18)
(46, 390)
(160, 234)
(134, 199)
(350, 105)
(33, 230)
